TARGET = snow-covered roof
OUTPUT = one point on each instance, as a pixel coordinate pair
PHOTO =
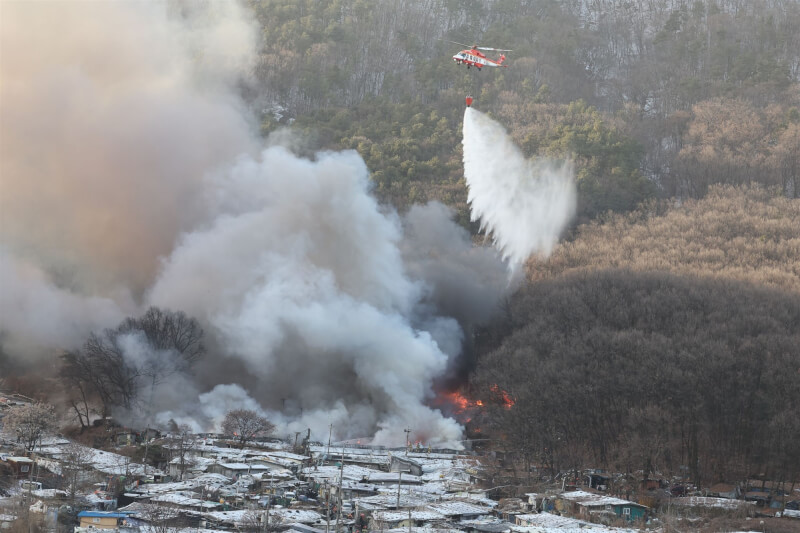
(103, 461)
(235, 466)
(353, 472)
(48, 493)
(234, 517)
(415, 514)
(144, 528)
(349, 484)
(705, 501)
(436, 464)
(286, 455)
(590, 499)
(212, 481)
(544, 522)
(303, 516)
(438, 488)
(442, 529)
(95, 498)
(378, 477)
(488, 525)
(193, 461)
(478, 498)
(459, 508)
(369, 453)
(303, 528)
(184, 499)
(389, 501)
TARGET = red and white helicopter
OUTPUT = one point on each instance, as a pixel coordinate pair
(473, 57)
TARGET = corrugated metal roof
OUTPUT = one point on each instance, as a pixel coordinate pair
(102, 514)
(590, 499)
(458, 508)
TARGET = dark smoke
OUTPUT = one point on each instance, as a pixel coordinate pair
(132, 176)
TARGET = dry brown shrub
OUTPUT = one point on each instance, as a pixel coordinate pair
(739, 233)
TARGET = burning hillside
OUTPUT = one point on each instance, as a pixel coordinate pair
(319, 305)
(464, 409)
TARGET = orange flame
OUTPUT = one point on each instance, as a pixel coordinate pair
(458, 405)
(458, 400)
(503, 396)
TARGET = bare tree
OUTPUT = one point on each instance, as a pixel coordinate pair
(77, 388)
(169, 330)
(112, 364)
(74, 466)
(244, 424)
(161, 518)
(30, 423)
(182, 444)
(259, 521)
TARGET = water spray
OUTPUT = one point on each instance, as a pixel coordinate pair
(523, 204)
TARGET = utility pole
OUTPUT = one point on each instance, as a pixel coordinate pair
(408, 434)
(399, 482)
(28, 497)
(339, 492)
(271, 495)
(327, 508)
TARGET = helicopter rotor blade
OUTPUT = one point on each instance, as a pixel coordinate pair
(459, 44)
(493, 49)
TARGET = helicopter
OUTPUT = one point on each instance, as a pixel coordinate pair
(473, 57)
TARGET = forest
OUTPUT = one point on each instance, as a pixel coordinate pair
(649, 97)
(661, 337)
(656, 342)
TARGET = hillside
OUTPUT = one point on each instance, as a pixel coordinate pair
(744, 234)
(649, 99)
(647, 372)
(262, 171)
(655, 339)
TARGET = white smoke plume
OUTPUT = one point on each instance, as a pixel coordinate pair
(524, 204)
(132, 176)
(300, 275)
(37, 317)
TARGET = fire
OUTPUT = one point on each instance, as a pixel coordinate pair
(458, 405)
(503, 396)
(458, 400)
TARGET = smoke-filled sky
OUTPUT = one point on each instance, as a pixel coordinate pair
(132, 176)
